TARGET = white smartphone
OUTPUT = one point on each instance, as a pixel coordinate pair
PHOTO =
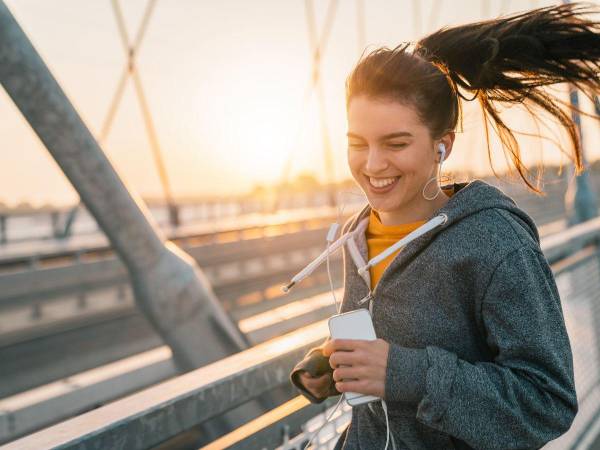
(355, 324)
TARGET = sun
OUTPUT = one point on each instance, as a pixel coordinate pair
(250, 126)
(258, 137)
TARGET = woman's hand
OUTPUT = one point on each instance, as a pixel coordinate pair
(367, 361)
(317, 386)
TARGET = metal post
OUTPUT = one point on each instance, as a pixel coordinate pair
(55, 221)
(71, 216)
(3, 234)
(169, 287)
(580, 199)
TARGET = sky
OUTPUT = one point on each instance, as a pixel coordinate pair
(225, 83)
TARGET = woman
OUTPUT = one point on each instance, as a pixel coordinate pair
(472, 350)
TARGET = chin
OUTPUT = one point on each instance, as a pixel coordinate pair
(380, 205)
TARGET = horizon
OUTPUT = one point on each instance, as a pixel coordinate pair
(505, 178)
(225, 92)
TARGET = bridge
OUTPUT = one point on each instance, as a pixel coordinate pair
(167, 328)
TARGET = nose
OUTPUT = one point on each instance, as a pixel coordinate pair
(376, 161)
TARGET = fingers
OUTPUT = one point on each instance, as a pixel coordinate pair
(349, 373)
(345, 358)
(335, 345)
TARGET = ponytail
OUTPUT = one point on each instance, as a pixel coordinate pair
(506, 61)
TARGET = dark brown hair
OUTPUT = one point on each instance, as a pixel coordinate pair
(507, 60)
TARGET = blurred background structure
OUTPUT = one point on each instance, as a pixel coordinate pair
(167, 167)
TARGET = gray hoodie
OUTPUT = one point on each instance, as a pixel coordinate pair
(479, 354)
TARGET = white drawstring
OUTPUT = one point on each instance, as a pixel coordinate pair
(310, 268)
(324, 257)
(335, 246)
(436, 221)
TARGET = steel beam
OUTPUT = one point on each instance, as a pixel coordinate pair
(581, 203)
(169, 286)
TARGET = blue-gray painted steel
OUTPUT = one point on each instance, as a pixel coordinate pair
(581, 203)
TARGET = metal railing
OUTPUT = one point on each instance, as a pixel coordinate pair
(162, 412)
(64, 224)
(166, 411)
(239, 264)
(81, 298)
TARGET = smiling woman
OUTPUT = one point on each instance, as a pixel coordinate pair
(388, 156)
(472, 349)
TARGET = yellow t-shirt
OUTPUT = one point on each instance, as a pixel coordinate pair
(380, 237)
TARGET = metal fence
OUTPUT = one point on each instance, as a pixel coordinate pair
(167, 411)
(325, 438)
(579, 287)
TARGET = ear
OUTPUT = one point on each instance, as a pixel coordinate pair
(448, 140)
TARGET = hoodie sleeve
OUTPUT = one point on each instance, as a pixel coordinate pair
(522, 399)
(316, 364)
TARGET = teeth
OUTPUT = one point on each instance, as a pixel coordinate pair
(381, 182)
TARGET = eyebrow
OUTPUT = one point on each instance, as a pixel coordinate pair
(383, 138)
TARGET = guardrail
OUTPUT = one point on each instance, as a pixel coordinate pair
(157, 414)
(33, 409)
(34, 253)
(66, 223)
(77, 301)
(241, 266)
(168, 410)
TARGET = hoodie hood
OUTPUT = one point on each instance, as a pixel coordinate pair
(470, 198)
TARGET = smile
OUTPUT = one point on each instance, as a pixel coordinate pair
(381, 185)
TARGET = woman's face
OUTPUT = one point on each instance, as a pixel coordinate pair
(392, 156)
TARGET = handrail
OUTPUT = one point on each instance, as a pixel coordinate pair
(156, 414)
(558, 246)
(270, 429)
(78, 245)
(168, 409)
(36, 283)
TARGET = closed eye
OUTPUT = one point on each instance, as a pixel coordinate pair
(393, 146)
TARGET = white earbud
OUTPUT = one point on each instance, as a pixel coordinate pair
(442, 151)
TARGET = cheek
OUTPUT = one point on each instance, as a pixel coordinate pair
(355, 162)
(412, 165)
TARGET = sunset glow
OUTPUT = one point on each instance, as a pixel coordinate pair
(227, 93)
